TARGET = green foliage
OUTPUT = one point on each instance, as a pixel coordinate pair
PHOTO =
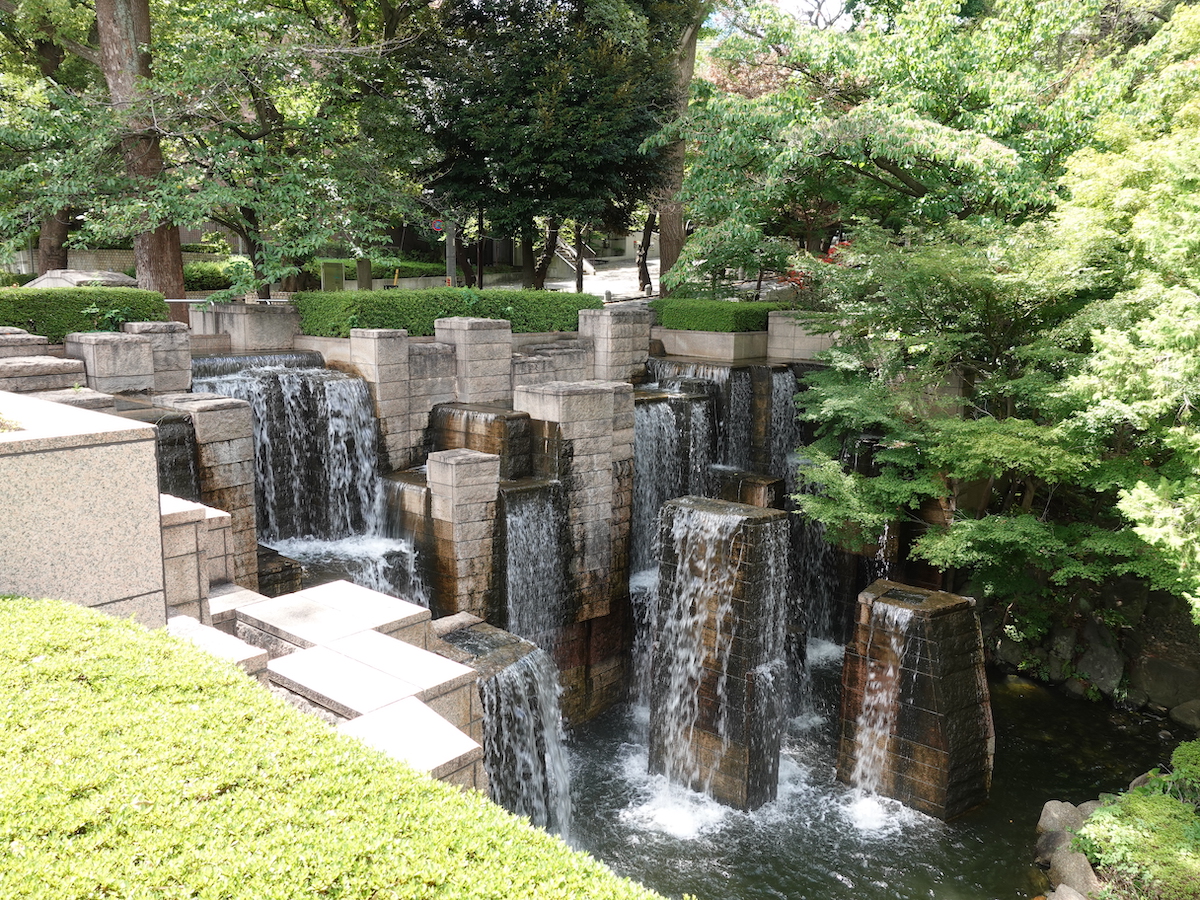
(334, 313)
(56, 312)
(16, 279)
(386, 267)
(137, 765)
(205, 276)
(712, 315)
(1147, 842)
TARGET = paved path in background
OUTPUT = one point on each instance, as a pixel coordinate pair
(620, 277)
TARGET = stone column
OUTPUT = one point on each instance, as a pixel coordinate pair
(718, 673)
(620, 340)
(170, 345)
(483, 357)
(916, 713)
(463, 489)
(225, 454)
(381, 356)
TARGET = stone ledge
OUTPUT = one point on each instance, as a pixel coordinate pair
(249, 659)
(408, 730)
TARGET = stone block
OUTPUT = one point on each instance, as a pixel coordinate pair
(389, 614)
(408, 730)
(251, 660)
(114, 362)
(336, 682)
(25, 374)
(23, 344)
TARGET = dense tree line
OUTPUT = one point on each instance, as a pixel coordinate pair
(994, 207)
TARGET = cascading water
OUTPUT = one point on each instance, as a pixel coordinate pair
(319, 495)
(732, 394)
(536, 558)
(523, 742)
(881, 695)
(673, 447)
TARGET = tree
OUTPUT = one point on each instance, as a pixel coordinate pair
(917, 117)
(545, 112)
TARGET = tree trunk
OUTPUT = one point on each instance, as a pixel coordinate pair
(262, 287)
(643, 252)
(543, 266)
(578, 258)
(671, 231)
(123, 27)
(528, 266)
(52, 238)
(479, 255)
(464, 261)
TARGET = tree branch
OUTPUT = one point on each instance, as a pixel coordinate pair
(83, 51)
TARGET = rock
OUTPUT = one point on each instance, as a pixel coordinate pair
(1058, 815)
(1135, 698)
(1072, 868)
(1065, 892)
(1187, 714)
(1142, 780)
(1062, 643)
(1075, 688)
(1166, 682)
(1101, 662)
(1048, 844)
(1009, 652)
(1086, 809)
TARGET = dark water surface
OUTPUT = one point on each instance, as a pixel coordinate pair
(823, 841)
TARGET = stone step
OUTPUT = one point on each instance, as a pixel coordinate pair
(251, 660)
(81, 397)
(408, 730)
(26, 374)
(224, 600)
(15, 342)
(319, 615)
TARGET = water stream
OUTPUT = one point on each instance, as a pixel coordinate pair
(822, 840)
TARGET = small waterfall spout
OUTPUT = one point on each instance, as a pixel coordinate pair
(718, 670)
(916, 714)
(881, 695)
(523, 743)
(537, 551)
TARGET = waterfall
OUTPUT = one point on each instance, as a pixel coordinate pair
(523, 742)
(315, 450)
(178, 473)
(537, 557)
(881, 695)
(319, 494)
(732, 393)
(785, 429)
(672, 454)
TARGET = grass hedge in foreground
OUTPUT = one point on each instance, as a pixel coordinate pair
(137, 766)
(688, 314)
(334, 313)
(56, 312)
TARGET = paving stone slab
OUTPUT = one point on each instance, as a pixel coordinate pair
(430, 674)
(249, 659)
(389, 613)
(301, 620)
(408, 730)
(348, 687)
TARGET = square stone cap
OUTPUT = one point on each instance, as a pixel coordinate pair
(410, 731)
(431, 675)
(330, 679)
(391, 612)
(305, 622)
(752, 515)
(104, 337)
(53, 426)
(922, 601)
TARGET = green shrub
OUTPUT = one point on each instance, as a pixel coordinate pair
(205, 276)
(15, 279)
(56, 312)
(386, 267)
(334, 313)
(135, 765)
(688, 314)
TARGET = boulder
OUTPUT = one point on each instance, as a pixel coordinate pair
(1058, 815)
(1065, 892)
(1187, 714)
(1072, 868)
(1101, 662)
(1086, 809)
(1048, 844)
(1166, 682)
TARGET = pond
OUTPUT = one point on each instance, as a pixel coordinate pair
(821, 839)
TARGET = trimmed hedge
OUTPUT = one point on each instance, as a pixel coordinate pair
(687, 314)
(56, 312)
(334, 313)
(382, 267)
(205, 276)
(15, 279)
(136, 765)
